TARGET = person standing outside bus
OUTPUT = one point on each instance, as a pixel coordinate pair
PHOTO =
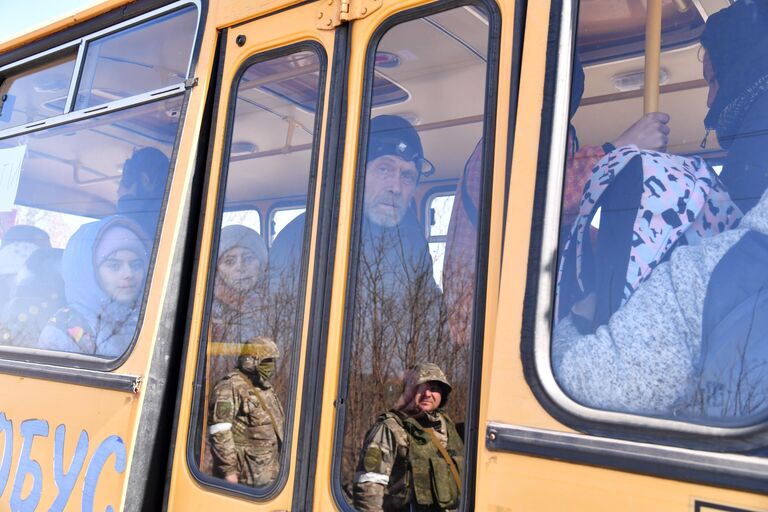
(246, 431)
(412, 458)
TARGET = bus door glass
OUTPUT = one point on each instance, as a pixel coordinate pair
(238, 424)
(411, 334)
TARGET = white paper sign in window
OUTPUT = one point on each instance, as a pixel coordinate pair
(10, 171)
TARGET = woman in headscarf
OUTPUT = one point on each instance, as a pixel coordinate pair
(238, 313)
(104, 267)
(240, 287)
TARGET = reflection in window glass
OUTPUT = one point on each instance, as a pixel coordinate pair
(282, 218)
(78, 226)
(139, 59)
(409, 344)
(439, 214)
(661, 307)
(255, 309)
(248, 218)
(36, 93)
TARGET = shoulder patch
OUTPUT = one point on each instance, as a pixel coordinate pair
(223, 410)
(372, 459)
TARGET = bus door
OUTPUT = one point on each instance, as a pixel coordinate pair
(418, 244)
(410, 259)
(248, 361)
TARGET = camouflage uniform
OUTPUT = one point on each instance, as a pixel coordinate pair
(401, 468)
(246, 427)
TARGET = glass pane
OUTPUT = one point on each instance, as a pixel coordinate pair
(440, 215)
(36, 93)
(409, 340)
(78, 211)
(256, 298)
(139, 59)
(281, 218)
(248, 218)
(660, 305)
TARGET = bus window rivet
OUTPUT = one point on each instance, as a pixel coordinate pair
(320, 15)
(240, 40)
(328, 22)
(492, 435)
(364, 10)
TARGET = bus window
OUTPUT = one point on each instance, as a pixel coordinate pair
(281, 217)
(439, 208)
(661, 309)
(254, 306)
(401, 362)
(80, 209)
(37, 92)
(139, 59)
(248, 218)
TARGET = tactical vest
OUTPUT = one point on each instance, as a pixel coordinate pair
(433, 485)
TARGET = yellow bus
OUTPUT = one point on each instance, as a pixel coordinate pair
(180, 178)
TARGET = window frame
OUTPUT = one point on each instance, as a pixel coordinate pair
(70, 115)
(82, 368)
(540, 289)
(478, 316)
(292, 413)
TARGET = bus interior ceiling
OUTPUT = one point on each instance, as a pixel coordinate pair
(610, 42)
(274, 131)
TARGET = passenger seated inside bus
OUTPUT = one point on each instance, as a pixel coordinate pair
(37, 295)
(104, 267)
(142, 187)
(689, 343)
(649, 132)
(18, 244)
(395, 277)
(239, 310)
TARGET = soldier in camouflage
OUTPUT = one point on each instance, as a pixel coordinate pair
(246, 426)
(412, 458)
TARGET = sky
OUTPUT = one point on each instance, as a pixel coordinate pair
(20, 16)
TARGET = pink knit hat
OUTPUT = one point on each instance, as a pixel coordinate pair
(118, 237)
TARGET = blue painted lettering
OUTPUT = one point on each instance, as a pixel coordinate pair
(27, 466)
(65, 481)
(6, 427)
(111, 445)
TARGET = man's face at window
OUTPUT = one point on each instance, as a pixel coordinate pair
(390, 183)
(428, 396)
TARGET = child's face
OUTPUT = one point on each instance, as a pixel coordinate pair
(121, 275)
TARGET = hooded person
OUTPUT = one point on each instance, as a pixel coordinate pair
(239, 297)
(735, 42)
(689, 343)
(412, 458)
(104, 268)
(246, 418)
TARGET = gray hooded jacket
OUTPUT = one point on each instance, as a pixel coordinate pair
(644, 360)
